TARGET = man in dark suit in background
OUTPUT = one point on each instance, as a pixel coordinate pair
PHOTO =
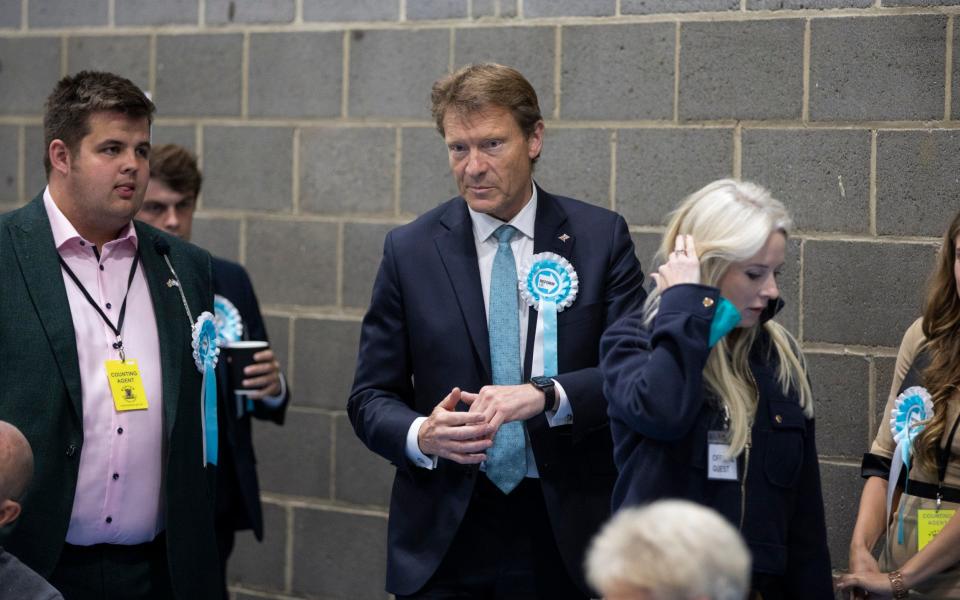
(472, 514)
(169, 204)
(96, 323)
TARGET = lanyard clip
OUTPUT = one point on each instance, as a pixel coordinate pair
(939, 499)
(118, 346)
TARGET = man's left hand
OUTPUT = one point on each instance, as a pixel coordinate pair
(263, 375)
(504, 403)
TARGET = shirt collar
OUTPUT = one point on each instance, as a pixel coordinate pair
(484, 225)
(64, 233)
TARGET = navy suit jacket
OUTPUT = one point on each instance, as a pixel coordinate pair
(238, 492)
(426, 332)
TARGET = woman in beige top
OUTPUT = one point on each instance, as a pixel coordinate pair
(913, 564)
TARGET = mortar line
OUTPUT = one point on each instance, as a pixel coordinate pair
(288, 551)
(25, 7)
(202, 13)
(397, 166)
(871, 396)
(451, 50)
(948, 71)
(295, 171)
(805, 102)
(872, 227)
(152, 63)
(676, 74)
(614, 141)
(345, 77)
(339, 298)
(245, 76)
(64, 58)
(298, 12)
(557, 70)
(738, 151)
(800, 295)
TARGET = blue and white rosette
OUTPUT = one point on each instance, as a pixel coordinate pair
(205, 354)
(227, 319)
(549, 284)
(912, 409)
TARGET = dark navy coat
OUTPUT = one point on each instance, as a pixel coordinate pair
(660, 414)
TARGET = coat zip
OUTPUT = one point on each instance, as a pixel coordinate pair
(746, 455)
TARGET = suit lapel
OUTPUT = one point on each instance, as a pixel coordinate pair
(459, 255)
(172, 326)
(548, 236)
(37, 259)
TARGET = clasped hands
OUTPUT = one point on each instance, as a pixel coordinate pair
(464, 436)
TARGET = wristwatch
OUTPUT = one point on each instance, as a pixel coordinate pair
(546, 385)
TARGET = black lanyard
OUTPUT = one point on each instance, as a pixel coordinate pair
(943, 458)
(117, 345)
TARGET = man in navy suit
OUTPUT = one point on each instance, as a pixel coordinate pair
(169, 205)
(499, 488)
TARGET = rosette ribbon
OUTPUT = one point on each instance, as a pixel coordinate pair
(725, 318)
(549, 284)
(227, 319)
(911, 410)
(205, 353)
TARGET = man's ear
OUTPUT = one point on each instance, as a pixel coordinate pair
(9, 511)
(59, 156)
(535, 141)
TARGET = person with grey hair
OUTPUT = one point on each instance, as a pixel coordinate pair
(669, 550)
(17, 580)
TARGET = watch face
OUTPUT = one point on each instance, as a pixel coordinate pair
(541, 382)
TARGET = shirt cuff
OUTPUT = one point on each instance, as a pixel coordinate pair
(276, 401)
(564, 413)
(413, 447)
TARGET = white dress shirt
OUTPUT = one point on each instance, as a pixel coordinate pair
(522, 246)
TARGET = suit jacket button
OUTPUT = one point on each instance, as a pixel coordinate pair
(71, 450)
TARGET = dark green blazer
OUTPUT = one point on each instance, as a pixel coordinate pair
(40, 394)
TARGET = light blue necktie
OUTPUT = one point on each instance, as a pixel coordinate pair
(507, 458)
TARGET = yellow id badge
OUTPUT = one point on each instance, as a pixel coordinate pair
(126, 385)
(930, 523)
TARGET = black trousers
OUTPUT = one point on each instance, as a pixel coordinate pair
(504, 549)
(114, 572)
(226, 536)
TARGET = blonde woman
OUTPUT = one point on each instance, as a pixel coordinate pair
(708, 397)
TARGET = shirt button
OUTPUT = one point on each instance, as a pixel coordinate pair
(116, 476)
(83, 243)
(109, 305)
(119, 430)
(109, 519)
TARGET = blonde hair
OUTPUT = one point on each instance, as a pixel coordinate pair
(730, 221)
(675, 549)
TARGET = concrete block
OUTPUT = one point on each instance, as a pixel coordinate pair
(436, 9)
(840, 387)
(55, 13)
(248, 167)
(657, 168)
(385, 82)
(646, 7)
(10, 14)
(494, 8)
(568, 8)
(206, 65)
(920, 2)
(746, 70)
(884, 366)
(181, 135)
(362, 251)
(917, 179)
(351, 546)
(9, 164)
(261, 565)
(347, 170)
(841, 485)
(31, 67)
(789, 283)
(822, 176)
(296, 74)
(294, 458)
(128, 56)
(278, 330)
(576, 163)
(156, 12)
(360, 475)
(645, 247)
(326, 355)
(841, 290)
(34, 175)
(425, 178)
(806, 4)
(222, 12)
(220, 237)
(889, 68)
(618, 72)
(293, 262)
(357, 10)
(530, 50)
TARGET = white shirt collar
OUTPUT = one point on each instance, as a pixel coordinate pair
(484, 225)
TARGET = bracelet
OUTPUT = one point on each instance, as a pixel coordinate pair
(896, 584)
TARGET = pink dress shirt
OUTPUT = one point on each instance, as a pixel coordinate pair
(118, 494)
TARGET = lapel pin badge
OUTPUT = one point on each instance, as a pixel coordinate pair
(563, 238)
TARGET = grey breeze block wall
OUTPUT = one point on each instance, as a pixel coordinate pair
(311, 121)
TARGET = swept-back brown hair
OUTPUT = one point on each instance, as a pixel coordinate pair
(67, 112)
(176, 167)
(477, 87)
(941, 328)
